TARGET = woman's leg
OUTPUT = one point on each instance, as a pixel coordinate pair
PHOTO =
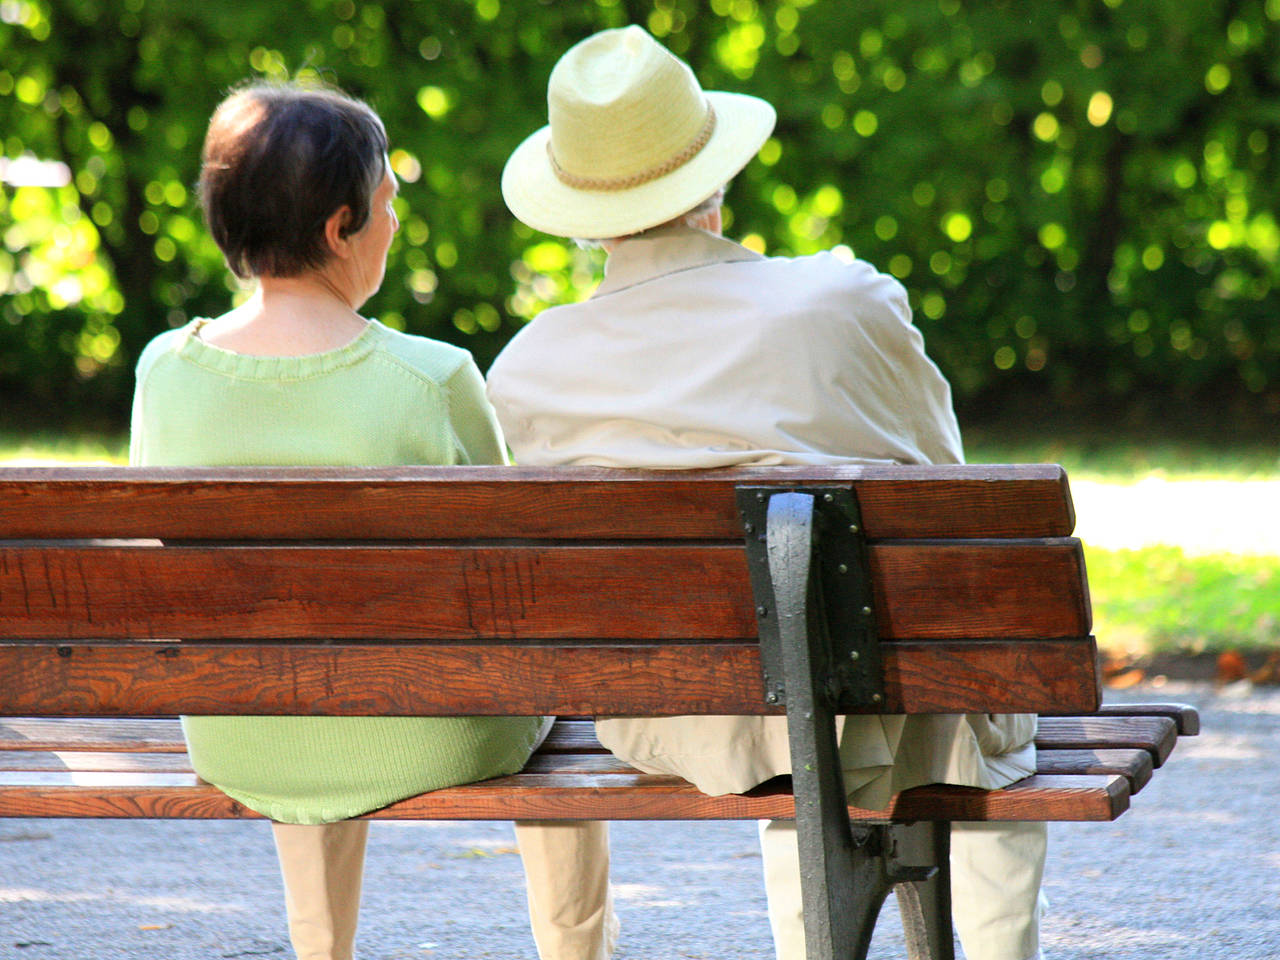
(566, 868)
(323, 867)
(780, 852)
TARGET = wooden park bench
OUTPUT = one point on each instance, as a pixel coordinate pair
(574, 592)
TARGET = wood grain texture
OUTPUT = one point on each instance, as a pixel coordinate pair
(1155, 734)
(486, 502)
(920, 677)
(390, 592)
(102, 761)
(115, 734)
(1029, 588)
(1184, 716)
(923, 589)
(92, 761)
(572, 735)
(1134, 765)
(372, 679)
(573, 796)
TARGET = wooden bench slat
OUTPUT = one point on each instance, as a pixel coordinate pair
(1022, 588)
(542, 796)
(92, 761)
(568, 735)
(101, 761)
(1133, 764)
(1156, 734)
(115, 734)
(928, 676)
(1185, 716)
(404, 502)
(155, 679)
(923, 589)
(576, 736)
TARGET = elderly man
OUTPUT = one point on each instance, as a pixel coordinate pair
(697, 352)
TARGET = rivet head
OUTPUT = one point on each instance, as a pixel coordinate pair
(748, 527)
(853, 528)
(853, 654)
(772, 698)
(762, 611)
(843, 568)
(759, 494)
(830, 498)
(876, 698)
(866, 611)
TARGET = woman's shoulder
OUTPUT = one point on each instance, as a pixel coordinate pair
(435, 359)
(163, 345)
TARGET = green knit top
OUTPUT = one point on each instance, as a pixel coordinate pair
(386, 398)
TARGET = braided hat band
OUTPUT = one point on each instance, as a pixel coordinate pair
(644, 176)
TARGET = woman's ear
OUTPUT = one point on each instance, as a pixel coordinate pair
(335, 232)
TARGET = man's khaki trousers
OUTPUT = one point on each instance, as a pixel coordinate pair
(996, 870)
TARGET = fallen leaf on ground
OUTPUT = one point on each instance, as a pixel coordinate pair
(1231, 667)
(1126, 679)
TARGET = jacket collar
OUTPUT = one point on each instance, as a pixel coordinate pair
(664, 250)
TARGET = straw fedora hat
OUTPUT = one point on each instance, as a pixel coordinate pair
(633, 141)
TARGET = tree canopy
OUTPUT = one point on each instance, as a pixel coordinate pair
(1079, 196)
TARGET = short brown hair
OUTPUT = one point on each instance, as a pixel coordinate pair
(279, 159)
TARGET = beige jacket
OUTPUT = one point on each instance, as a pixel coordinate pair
(696, 352)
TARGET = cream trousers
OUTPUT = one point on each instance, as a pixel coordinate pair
(323, 867)
(995, 884)
(996, 870)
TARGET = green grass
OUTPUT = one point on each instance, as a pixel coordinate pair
(73, 448)
(1112, 461)
(1159, 600)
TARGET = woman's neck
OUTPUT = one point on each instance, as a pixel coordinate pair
(287, 317)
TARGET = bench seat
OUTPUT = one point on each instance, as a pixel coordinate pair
(1088, 768)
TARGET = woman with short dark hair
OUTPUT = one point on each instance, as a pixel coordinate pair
(278, 160)
(298, 193)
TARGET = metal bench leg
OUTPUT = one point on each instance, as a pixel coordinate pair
(925, 905)
(843, 873)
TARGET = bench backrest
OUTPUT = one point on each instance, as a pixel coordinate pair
(510, 591)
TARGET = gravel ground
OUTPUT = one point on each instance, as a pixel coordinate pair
(1192, 872)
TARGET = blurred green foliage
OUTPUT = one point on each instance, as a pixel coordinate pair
(1080, 195)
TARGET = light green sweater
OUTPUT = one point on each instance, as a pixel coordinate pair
(384, 399)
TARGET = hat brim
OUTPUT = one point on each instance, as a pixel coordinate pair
(537, 197)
